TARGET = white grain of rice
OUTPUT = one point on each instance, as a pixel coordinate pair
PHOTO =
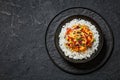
(78, 55)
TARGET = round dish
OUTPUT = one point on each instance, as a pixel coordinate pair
(81, 68)
(86, 56)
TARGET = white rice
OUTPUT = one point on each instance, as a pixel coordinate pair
(78, 55)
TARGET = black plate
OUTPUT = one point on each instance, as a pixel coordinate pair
(81, 68)
(59, 30)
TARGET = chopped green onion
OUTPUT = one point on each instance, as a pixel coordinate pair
(94, 40)
(82, 44)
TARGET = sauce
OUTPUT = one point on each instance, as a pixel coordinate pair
(79, 38)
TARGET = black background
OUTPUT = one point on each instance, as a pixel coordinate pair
(22, 39)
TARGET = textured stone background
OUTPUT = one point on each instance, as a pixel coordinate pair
(22, 31)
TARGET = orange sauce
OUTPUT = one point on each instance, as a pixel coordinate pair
(79, 38)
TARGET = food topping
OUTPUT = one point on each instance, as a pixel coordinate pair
(79, 38)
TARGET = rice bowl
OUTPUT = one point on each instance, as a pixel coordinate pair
(79, 55)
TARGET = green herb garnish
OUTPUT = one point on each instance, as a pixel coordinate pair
(82, 44)
(79, 39)
(94, 40)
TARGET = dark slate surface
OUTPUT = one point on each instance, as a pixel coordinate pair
(22, 31)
